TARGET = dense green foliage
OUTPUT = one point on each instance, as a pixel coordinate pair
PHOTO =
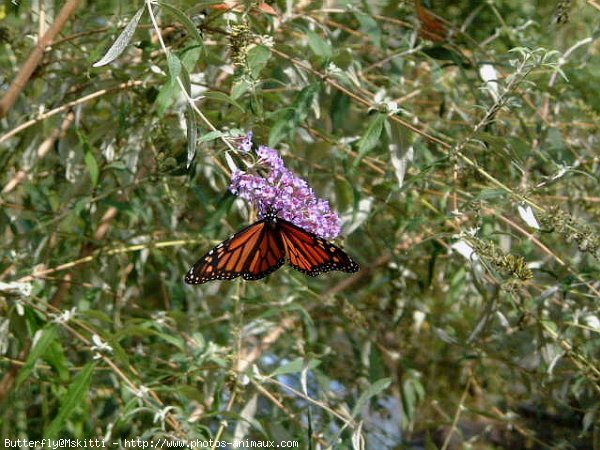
(440, 144)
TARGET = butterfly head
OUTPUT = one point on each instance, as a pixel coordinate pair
(271, 217)
(272, 214)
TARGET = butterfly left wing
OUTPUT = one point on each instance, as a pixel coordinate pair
(251, 253)
(311, 254)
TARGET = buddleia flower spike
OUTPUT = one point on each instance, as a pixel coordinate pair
(294, 226)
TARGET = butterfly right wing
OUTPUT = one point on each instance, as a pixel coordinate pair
(311, 254)
(252, 253)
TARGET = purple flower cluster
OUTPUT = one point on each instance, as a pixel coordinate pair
(283, 191)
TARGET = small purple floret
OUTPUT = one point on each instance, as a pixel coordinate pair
(246, 144)
(289, 195)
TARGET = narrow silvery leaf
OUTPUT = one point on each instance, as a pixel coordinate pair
(230, 162)
(528, 217)
(42, 340)
(592, 321)
(4, 335)
(358, 442)
(295, 366)
(488, 74)
(418, 319)
(185, 20)
(192, 134)
(247, 415)
(78, 390)
(371, 391)
(468, 252)
(503, 320)
(121, 42)
(16, 288)
(551, 353)
(400, 159)
(303, 378)
(355, 218)
(401, 150)
(465, 249)
(444, 336)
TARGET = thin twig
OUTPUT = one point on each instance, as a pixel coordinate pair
(68, 106)
(36, 56)
(457, 415)
(184, 92)
(43, 150)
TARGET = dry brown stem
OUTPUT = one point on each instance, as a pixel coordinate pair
(35, 57)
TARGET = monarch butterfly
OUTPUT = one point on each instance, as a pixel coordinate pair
(263, 247)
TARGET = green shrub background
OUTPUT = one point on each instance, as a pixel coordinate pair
(467, 327)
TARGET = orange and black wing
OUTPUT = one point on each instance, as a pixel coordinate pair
(253, 253)
(311, 254)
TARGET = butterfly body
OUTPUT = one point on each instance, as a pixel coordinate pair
(263, 247)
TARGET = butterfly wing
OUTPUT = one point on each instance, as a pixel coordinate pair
(311, 254)
(253, 253)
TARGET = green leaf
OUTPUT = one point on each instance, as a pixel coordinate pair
(185, 80)
(377, 367)
(488, 194)
(165, 97)
(319, 46)
(170, 89)
(445, 53)
(239, 88)
(174, 64)
(220, 96)
(42, 344)
(550, 326)
(291, 118)
(190, 56)
(345, 194)
(295, 366)
(430, 443)
(340, 108)
(184, 19)
(92, 166)
(211, 136)
(497, 142)
(75, 395)
(412, 393)
(371, 137)
(279, 129)
(55, 356)
(257, 58)
(371, 391)
(81, 205)
(199, 6)
(304, 102)
(369, 26)
(589, 418)
(175, 341)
